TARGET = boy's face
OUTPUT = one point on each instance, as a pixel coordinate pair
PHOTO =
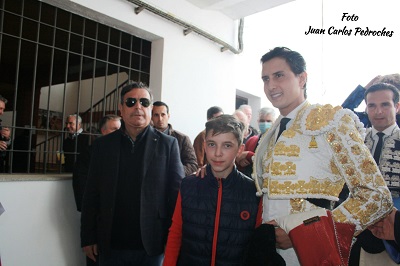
(221, 151)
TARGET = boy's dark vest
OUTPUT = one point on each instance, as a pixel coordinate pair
(237, 222)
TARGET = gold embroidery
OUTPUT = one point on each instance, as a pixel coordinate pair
(290, 132)
(339, 216)
(347, 119)
(355, 137)
(313, 187)
(343, 159)
(350, 170)
(319, 117)
(287, 168)
(337, 147)
(298, 205)
(279, 149)
(293, 151)
(313, 143)
(356, 149)
(380, 182)
(331, 137)
(368, 167)
(290, 151)
(334, 169)
(343, 129)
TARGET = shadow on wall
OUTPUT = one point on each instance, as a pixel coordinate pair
(41, 220)
(67, 224)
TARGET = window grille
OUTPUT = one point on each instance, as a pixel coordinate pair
(54, 63)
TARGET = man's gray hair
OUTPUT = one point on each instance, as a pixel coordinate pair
(266, 111)
(76, 116)
(244, 106)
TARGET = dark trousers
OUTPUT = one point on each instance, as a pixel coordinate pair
(90, 262)
(130, 258)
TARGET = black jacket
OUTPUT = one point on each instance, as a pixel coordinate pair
(161, 175)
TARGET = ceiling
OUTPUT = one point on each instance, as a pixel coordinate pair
(236, 9)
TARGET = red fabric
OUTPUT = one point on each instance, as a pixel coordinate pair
(250, 146)
(216, 223)
(251, 143)
(322, 242)
(259, 213)
(174, 241)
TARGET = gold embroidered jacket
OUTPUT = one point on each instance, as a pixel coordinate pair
(314, 157)
(389, 162)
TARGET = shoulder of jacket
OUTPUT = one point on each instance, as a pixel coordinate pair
(317, 119)
(177, 133)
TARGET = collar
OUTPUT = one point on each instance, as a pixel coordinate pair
(388, 131)
(292, 115)
(229, 177)
(76, 134)
(167, 131)
(138, 137)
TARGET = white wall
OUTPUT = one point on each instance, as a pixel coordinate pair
(40, 225)
(101, 85)
(188, 72)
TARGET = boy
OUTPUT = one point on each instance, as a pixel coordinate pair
(214, 216)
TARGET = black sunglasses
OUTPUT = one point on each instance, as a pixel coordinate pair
(130, 102)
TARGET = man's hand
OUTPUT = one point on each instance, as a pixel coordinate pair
(242, 160)
(202, 172)
(384, 229)
(282, 239)
(91, 251)
(375, 80)
(3, 145)
(5, 133)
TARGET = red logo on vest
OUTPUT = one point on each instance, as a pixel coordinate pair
(245, 215)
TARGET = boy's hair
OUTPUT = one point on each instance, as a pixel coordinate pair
(382, 87)
(226, 124)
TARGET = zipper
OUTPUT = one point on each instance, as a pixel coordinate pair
(216, 223)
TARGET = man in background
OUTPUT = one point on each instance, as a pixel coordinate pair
(248, 111)
(4, 137)
(266, 117)
(198, 143)
(357, 96)
(160, 117)
(383, 140)
(109, 123)
(76, 148)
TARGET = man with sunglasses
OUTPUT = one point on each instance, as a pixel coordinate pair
(134, 178)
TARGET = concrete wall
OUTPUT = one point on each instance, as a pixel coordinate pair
(40, 225)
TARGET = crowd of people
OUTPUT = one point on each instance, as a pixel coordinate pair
(315, 185)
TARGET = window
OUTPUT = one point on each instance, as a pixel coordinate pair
(54, 63)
